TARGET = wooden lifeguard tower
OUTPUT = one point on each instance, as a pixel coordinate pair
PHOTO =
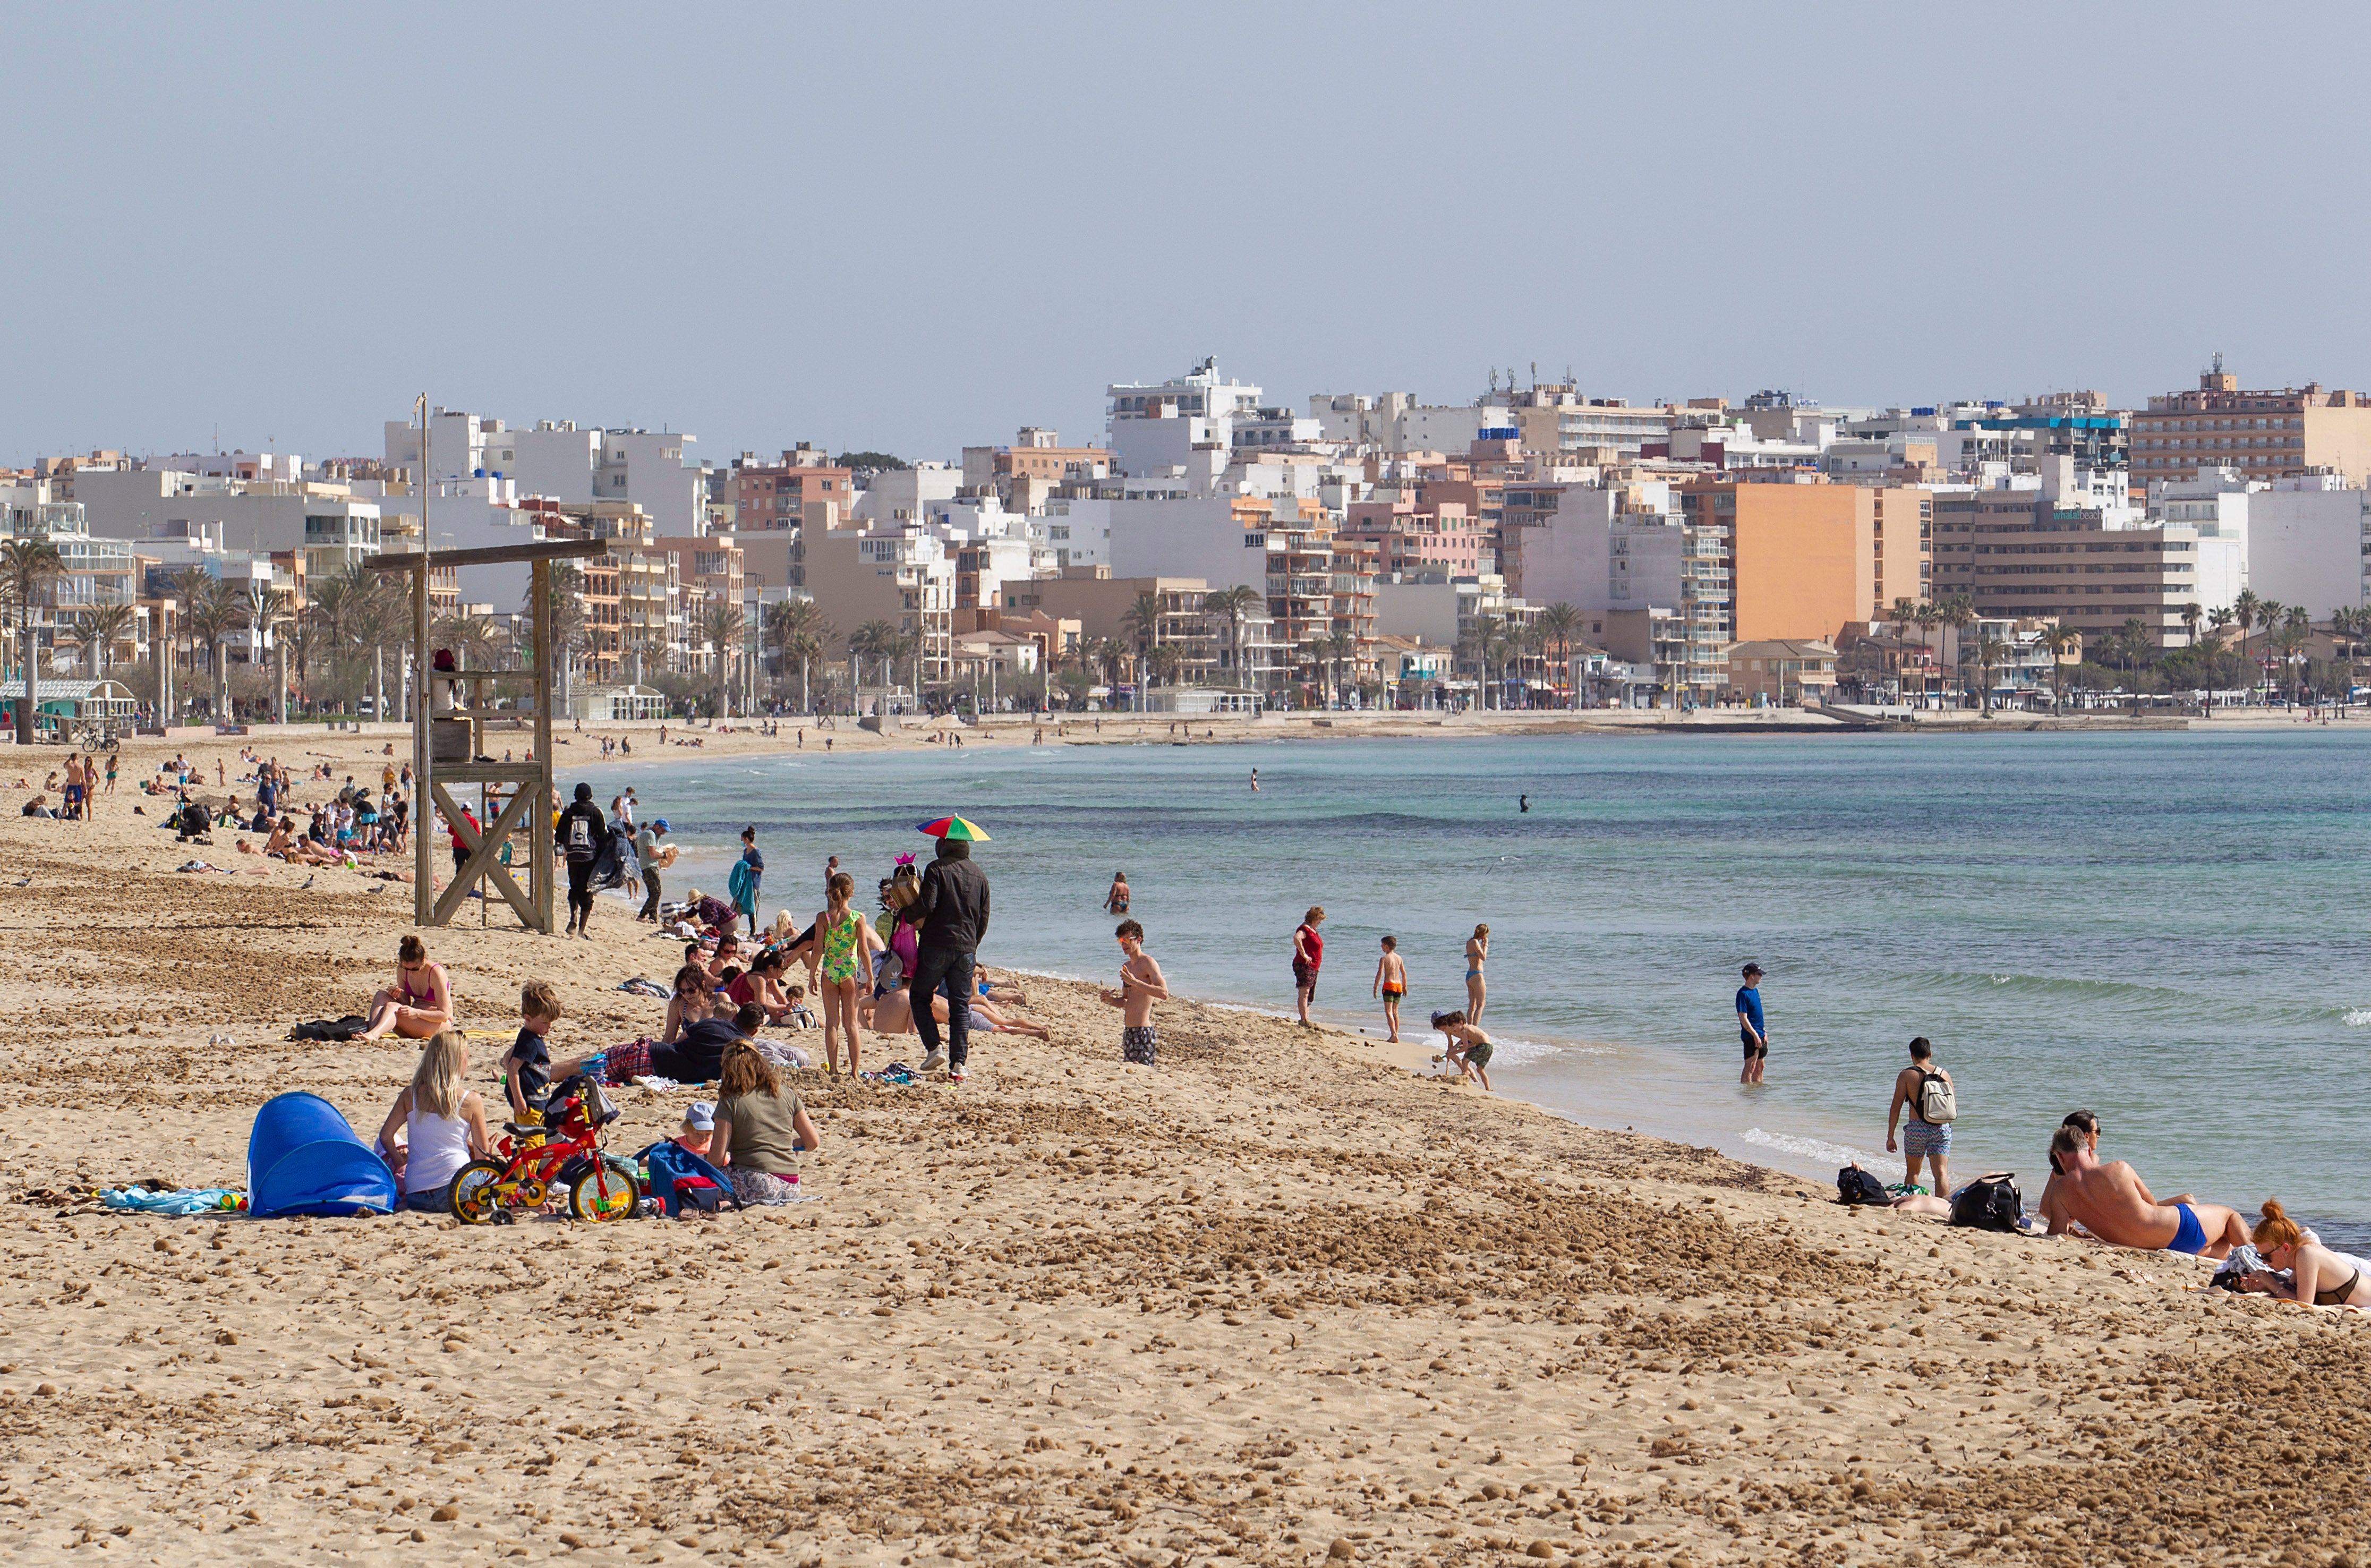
(447, 745)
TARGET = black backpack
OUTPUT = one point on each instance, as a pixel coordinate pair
(1989, 1202)
(1855, 1185)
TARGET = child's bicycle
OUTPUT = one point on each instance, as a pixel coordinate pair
(563, 1154)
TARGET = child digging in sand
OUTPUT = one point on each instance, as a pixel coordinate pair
(1469, 1048)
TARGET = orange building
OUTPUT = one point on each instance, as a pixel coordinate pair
(1801, 557)
(2262, 434)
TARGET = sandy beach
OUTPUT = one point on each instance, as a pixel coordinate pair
(1278, 1299)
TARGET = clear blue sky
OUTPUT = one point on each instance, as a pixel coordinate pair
(910, 229)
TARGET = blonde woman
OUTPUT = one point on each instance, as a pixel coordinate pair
(845, 942)
(1477, 949)
(436, 1124)
(761, 1128)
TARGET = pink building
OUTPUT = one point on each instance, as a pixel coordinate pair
(1417, 536)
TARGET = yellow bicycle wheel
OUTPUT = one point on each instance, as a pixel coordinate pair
(477, 1191)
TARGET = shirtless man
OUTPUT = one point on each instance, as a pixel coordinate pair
(1922, 1139)
(2113, 1203)
(1140, 985)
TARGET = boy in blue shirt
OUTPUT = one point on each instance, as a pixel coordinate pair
(1750, 1028)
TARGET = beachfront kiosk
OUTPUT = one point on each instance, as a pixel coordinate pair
(450, 710)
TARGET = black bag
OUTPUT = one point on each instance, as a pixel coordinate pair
(1855, 1185)
(1989, 1202)
(351, 1027)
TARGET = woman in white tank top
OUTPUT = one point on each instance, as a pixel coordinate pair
(436, 1124)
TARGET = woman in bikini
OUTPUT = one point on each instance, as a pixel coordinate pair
(418, 1004)
(2321, 1276)
(1477, 949)
(847, 942)
(1116, 902)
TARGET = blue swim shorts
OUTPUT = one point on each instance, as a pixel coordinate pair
(2190, 1237)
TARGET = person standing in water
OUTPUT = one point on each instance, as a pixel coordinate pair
(1391, 983)
(1477, 950)
(1116, 902)
(1749, 1027)
(1254, 781)
(1524, 801)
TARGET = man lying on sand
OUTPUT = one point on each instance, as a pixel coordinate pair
(2111, 1202)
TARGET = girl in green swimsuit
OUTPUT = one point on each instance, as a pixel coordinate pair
(849, 943)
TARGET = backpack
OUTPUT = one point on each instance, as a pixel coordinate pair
(1937, 1103)
(580, 838)
(1989, 1202)
(1855, 1185)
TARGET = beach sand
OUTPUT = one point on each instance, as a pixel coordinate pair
(1275, 1300)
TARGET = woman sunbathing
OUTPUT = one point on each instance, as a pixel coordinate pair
(418, 1004)
(2319, 1275)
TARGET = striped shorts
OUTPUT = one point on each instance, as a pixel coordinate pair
(1926, 1140)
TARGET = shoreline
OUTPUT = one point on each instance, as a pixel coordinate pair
(1268, 1296)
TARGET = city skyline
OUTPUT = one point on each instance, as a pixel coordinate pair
(917, 233)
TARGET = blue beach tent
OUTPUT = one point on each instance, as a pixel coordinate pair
(303, 1158)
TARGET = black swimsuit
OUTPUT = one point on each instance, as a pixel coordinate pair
(2337, 1296)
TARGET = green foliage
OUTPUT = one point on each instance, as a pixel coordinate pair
(872, 462)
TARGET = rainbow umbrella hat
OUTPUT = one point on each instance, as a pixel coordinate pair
(954, 827)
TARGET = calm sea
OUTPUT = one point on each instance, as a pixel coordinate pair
(2161, 927)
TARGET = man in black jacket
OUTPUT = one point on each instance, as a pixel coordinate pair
(949, 920)
(581, 833)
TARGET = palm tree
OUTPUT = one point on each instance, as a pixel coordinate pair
(873, 640)
(1958, 613)
(722, 623)
(806, 648)
(1991, 652)
(2290, 641)
(1928, 616)
(208, 612)
(1236, 606)
(1144, 617)
(2217, 619)
(1480, 643)
(1557, 626)
(2190, 615)
(28, 566)
(103, 626)
(563, 611)
(2244, 611)
(784, 623)
(2061, 640)
(1167, 661)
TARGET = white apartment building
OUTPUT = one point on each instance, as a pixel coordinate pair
(2306, 538)
(558, 459)
(1395, 423)
(332, 526)
(1155, 427)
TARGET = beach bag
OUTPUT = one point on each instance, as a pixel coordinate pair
(904, 887)
(1855, 1185)
(1989, 1202)
(1936, 1102)
(335, 1030)
(671, 1165)
(580, 838)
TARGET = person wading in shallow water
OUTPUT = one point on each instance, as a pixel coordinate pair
(1750, 1028)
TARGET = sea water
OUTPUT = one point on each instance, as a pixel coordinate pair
(2161, 927)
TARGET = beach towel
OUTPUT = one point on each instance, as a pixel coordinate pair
(743, 886)
(643, 985)
(178, 1204)
(782, 1055)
